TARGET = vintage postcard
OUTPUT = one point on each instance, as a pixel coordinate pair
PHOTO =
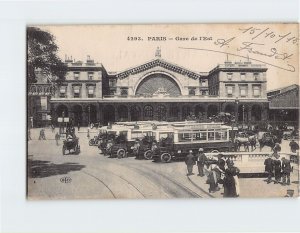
(162, 111)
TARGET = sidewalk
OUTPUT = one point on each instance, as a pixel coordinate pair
(253, 187)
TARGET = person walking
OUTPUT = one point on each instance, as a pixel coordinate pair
(57, 138)
(78, 126)
(269, 167)
(286, 171)
(230, 181)
(201, 158)
(294, 146)
(42, 135)
(190, 162)
(88, 133)
(277, 167)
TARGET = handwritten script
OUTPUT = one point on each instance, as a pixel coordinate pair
(263, 45)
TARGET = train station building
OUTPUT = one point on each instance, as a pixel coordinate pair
(160, 90)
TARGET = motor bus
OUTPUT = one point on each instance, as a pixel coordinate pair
(180, 139)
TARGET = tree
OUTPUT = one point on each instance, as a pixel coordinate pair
(42, 54)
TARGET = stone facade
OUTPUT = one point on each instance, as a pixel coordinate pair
(160, 90)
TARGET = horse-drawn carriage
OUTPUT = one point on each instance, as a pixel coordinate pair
(71, 143)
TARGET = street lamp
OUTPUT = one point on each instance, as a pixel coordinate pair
(243, 114)
(89, 110)
(63, 120)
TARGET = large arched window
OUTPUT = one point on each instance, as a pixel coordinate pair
(158, 84)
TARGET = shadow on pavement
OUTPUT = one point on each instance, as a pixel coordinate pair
(40, 169)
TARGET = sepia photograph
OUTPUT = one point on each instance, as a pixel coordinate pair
(162, 111)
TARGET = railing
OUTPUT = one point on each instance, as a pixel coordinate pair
(253, 162)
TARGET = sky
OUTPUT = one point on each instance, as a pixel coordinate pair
(196, 47)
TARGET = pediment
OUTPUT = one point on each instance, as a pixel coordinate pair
(159, 63)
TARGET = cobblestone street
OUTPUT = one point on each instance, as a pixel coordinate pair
(92, 175)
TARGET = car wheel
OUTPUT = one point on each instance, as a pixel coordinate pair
(148, 154)
(165, 157)
(91, 142)
(121, 153)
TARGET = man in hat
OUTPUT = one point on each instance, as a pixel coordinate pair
(190, 162)
(201, 158)
(277, 167)
(286, 171)
(294, 146)
(269, 166)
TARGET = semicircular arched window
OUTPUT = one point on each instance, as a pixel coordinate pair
(158, 84)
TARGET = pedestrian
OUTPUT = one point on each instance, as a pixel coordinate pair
(190, 162)
(286, 171)
(57, 138)
(294, 146)
(213, 173)
(269, 167)
(230, 181)
(42, 135)
(277, 167)
(221, 162)
(52, 128)
(78, 126)
(88, 133)
(201, 158)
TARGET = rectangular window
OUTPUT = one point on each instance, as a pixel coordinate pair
(76, 75)
(223, 135)
(256, 91)
(112, 82)
(217, 135)
(243, 91)
(192, 91)
(211, 136)
(62, 92)
(44, 102)
(203, 83)
(124, 91)
(229, 76)
(76, 92)
(184, 137)
(201, 136)
(243, 76)
(229, 90)
(256, 76)
(204, 93)
(90, 92)
(90, 75)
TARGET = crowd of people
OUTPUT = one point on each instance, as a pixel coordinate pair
(278, 167)
(220, 171)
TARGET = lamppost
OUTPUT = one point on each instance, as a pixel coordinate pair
(243, 114)
(89, 110)
(237, 101)
(63, 120)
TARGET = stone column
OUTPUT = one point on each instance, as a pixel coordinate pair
(250, 90)
(98, 89)
(264, 112)
(83, 91)
(128, 113)
(116, 112)
(69, 91)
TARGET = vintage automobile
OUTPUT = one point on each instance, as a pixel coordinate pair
(212, 137)
(71, 144)
(125, 142)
